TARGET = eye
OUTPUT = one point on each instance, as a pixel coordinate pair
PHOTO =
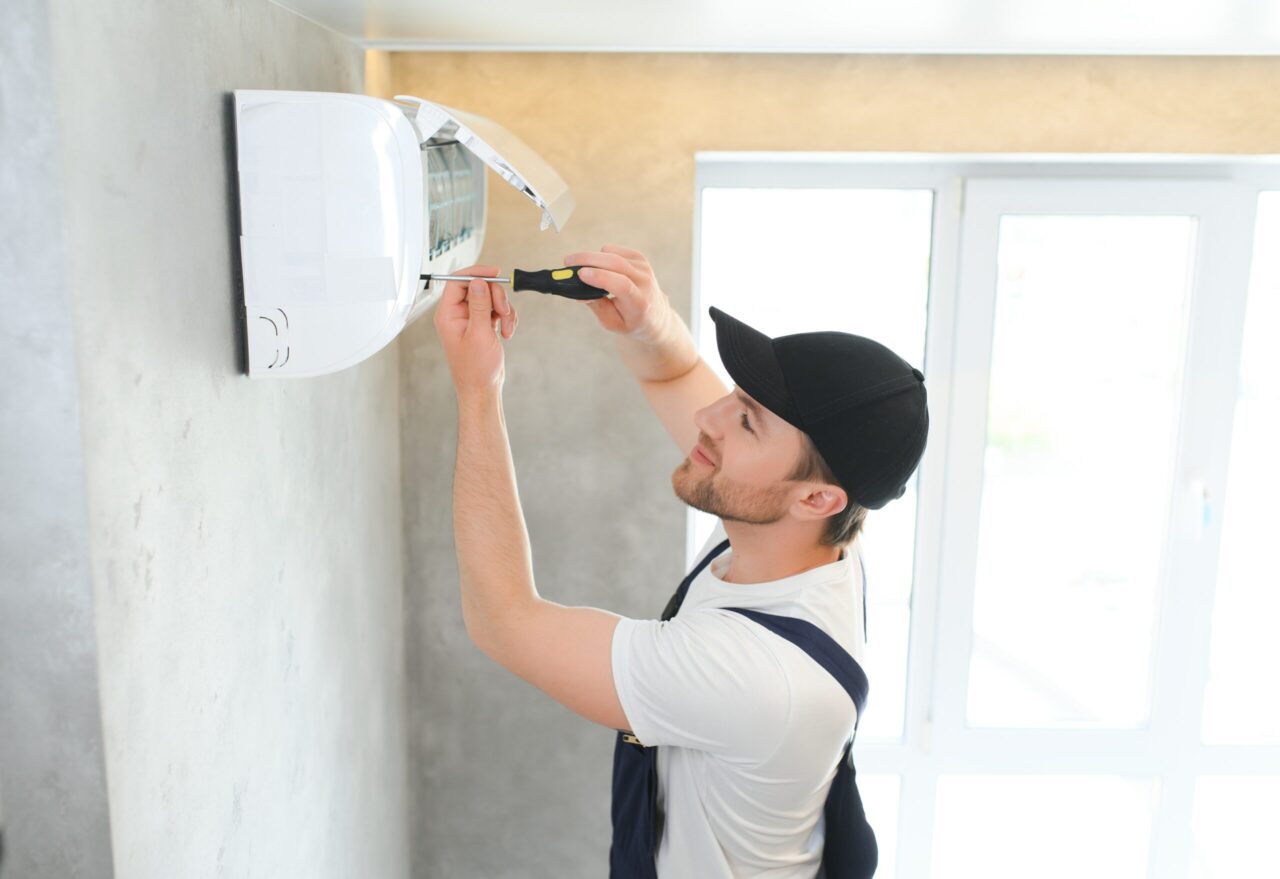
(745, 424)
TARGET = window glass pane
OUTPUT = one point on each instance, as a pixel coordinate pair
(873, 246)
(1245, 652)
(880, 795)
(1233, 827)
(886, 668)
(1090, 323)
(1050, 827)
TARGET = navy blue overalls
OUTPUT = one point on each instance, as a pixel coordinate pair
(849, 850)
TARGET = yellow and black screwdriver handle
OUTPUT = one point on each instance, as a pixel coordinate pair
(559, 282)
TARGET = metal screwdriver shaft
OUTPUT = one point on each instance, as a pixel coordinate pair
(498, 280)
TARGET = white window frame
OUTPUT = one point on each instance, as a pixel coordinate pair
(970, 192)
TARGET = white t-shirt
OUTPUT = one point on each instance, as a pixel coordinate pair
(750, 727)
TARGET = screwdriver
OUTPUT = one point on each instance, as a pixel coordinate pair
(560, 282)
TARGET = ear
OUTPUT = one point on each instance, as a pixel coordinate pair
(823, 500)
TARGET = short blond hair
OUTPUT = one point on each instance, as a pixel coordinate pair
(844, 526)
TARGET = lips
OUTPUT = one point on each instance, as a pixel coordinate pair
(702, 457)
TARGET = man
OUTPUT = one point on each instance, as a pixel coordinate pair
(745, 734)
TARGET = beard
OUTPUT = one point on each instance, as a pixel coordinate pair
(733, 503)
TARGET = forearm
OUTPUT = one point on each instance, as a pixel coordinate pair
(495, 567)
(673, 355)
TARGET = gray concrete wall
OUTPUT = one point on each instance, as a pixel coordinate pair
(55, 819)
(244, 538)
(505, 781)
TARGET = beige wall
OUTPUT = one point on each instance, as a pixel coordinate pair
(623, 128)
(504, 781)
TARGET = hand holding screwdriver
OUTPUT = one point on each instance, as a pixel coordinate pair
(616, 283)
(559, 282)
(637, 310)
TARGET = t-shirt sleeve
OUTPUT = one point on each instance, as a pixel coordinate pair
(703, 680)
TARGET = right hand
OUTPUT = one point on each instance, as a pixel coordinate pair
(636, 306)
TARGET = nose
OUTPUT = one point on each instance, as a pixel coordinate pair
(708, 418)
(702, 419)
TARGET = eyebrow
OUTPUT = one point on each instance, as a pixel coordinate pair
(755, 409)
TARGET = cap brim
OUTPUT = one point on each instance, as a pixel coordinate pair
(748, 356)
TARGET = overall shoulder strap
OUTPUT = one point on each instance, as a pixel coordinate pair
(677, 598)
(822, 648)
(715, 551)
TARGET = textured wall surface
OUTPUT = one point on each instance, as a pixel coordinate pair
(55, 818)
(245, 537)
(505, 782)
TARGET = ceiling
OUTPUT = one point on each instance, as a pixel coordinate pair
(1077, 27)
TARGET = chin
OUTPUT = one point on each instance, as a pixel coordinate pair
(697, 493)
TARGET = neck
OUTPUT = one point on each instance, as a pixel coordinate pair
(762, 553)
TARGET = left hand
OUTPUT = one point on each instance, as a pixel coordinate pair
(469, 318)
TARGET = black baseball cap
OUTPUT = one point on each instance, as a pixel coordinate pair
(864, 407)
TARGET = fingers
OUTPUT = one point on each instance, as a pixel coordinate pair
(507, 311)
(626, 252)
(479, 305)
(467, 305)
(456, 291)
(489, 309)
(615, 284)
(501, 299)
(607, 313)
(611, 261)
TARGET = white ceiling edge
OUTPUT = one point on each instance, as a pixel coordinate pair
(1246, 28)
(1074, 52)
(871, 27)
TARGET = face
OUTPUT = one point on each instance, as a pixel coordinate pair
(752, 451)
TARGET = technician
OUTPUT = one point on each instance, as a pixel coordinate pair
(734, 712)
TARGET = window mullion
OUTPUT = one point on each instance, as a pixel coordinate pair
(1185, 615)
(974, 319)
(917, 791)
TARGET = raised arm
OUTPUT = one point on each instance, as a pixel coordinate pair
(652, 340)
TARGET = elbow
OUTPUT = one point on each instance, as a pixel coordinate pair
(488, 638)
(480, 638)
(501, 637)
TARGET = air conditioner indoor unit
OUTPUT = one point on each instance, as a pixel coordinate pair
(346, 201)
